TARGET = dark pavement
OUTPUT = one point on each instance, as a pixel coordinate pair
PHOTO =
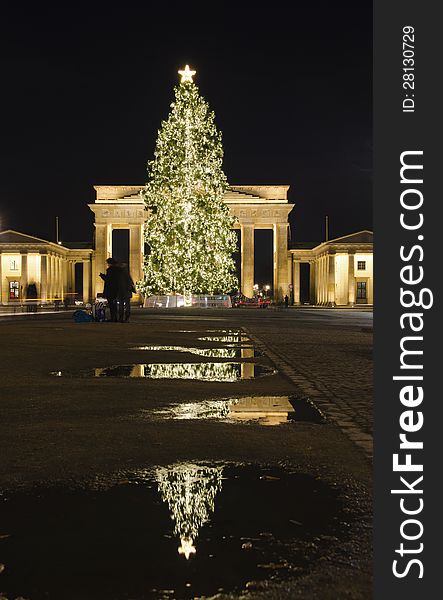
(67, 429)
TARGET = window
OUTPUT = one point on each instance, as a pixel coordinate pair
(14, 290)
(13, 264)
(361, 265)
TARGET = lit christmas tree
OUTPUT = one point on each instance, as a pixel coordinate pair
(189, 228)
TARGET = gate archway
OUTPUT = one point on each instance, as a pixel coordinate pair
(255, 207)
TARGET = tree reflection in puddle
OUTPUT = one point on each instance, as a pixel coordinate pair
(235, 332)
(185, 411)
(227, 353)
(263, 410)
(234, 338)
(188, 527)
(226, 372)
(189, 490)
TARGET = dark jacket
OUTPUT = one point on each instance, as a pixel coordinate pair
(112, 280)
(126, 286)
(118, 283)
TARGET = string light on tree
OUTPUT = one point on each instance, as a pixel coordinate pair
(189, 229)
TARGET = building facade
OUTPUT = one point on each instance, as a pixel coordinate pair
(25, 260)
(340, 270)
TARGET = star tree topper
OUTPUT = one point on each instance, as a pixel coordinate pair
(186, 74)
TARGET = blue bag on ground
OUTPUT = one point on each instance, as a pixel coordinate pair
(81, 316)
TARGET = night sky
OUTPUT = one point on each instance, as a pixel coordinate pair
(85, 89)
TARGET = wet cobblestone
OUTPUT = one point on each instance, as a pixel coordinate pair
(331, 364)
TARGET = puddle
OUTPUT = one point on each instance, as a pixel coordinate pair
(184, 331)
(228, 353)
(206, 371)
(224, 336)
(179, 532)
(228, 339)
(263, 410)
(219, 331)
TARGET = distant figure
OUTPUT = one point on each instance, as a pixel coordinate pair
(111, 287)
(31, 297)
(286, 301)
(125, 290)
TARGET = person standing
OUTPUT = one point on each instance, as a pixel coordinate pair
(286, 301)
(125, 290)
(111, 287)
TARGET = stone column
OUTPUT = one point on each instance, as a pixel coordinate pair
(325, 279)
(290, 282)
(53, 278)
(60, 277)
(296, 280)
(331, 279)
(23, 275)
(247, 260)
(65, 267)
(43, 277)
(71, 279)
(351, 279)
(313, 286)
(136, 243)
(103, 239)
(49, 277)
(136, 248)
(321, 274)
(280, 261)
(57, 277)
(86, 280)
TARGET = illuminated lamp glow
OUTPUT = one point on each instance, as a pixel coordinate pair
(186, 74)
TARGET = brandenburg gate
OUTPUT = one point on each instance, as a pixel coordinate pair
(255, 207)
